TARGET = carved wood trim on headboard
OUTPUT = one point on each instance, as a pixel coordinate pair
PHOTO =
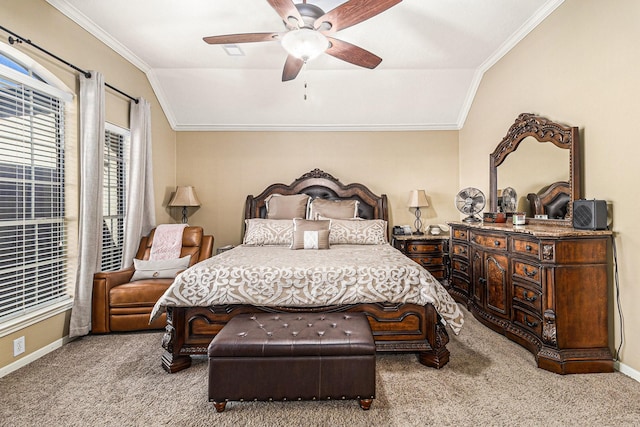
(318, 183)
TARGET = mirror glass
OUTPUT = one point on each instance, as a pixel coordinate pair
(531, 168)
(534, 154)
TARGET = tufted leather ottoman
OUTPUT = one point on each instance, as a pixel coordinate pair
(293, 356)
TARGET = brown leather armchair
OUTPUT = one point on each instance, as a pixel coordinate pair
(121, 305)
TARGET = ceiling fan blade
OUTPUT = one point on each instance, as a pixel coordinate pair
(292, 67)
(353, 12)
(242, 38)
(352, 54)
(287, 9)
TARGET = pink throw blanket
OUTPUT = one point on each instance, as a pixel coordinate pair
(167, 242)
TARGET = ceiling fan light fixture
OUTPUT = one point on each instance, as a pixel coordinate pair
(305, 43)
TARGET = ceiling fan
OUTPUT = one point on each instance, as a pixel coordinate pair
(309, 32)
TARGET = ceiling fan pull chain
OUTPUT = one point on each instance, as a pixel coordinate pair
(305, 91)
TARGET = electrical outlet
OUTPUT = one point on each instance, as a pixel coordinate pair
(18, 346)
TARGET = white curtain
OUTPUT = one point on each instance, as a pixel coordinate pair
(140, 217)
(90, 221)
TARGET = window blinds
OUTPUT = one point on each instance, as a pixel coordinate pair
(114, 197)
(33, 265)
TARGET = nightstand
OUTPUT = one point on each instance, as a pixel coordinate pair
(224, 249)
(430, 251)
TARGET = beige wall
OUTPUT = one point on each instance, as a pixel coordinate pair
(37, 21)
(580, 67)
(225, 167)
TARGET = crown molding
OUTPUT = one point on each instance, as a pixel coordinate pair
(82, 20)
(535, 20)
(315, 128)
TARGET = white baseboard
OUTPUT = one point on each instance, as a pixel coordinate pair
(627, 370)
(33, 356)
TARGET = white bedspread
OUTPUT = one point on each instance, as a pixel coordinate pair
(279, 276)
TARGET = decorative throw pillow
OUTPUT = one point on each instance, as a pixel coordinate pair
(261, 232)
(280, 206)
(308, 234)
(160, 269)
(338, 209)
(358, 232)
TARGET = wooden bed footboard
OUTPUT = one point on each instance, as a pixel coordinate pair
(396, 328)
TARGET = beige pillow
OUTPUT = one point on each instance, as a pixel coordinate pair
(308, 234)
(280, 206)
(358, 232)
(261, 232)
(159, 269)
(338, 209)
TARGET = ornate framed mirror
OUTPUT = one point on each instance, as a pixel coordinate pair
(539, 160)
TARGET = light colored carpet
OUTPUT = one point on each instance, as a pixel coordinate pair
(117, 380)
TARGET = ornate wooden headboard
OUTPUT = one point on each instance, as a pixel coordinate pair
(552, 201)
(318, 183)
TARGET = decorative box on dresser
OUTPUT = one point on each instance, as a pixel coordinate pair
(428, 250)
(544, 287)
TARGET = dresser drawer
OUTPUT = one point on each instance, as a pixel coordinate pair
(525, 247)
(527, 271)
(438, 273)
(460, 249)
(458, 234)
(460, 267)
(424, 247)
(527, 320)
(530, 297)
(490, 241)
(428, 261)
(460, 283)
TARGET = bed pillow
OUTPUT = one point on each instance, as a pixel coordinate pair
(280, 206)
(358, 232)
(159, 269)
(308, 234)
(338, 209)
(268, 232)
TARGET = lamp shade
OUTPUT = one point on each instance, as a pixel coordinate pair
(417, 199)
(185, 196)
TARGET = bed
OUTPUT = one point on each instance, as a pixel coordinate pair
(407, 308)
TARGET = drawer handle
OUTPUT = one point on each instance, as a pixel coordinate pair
(413, 248)
(530, 273)
(463, 268)
(463, 251)
(529, 324)
(496, 243)
(526, 296)
(528, 248)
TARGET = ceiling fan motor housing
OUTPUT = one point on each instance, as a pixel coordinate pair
(310, 13)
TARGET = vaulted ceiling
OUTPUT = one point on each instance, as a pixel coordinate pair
(434, 55)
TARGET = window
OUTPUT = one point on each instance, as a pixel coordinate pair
(33, 241)
(116, 145)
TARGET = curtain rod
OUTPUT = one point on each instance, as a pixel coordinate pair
(19, 39)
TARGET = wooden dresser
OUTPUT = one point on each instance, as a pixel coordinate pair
(543, 287)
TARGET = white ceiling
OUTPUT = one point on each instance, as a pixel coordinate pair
(434, 55)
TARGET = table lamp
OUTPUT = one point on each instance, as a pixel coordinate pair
(184, 196)
(418, 199)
